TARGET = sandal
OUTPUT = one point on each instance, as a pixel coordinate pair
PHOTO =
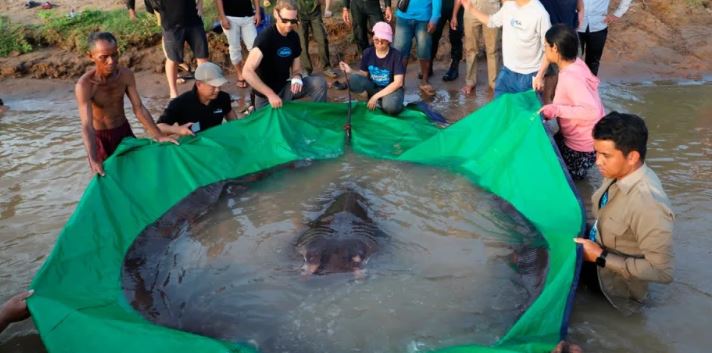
(427, 89)
(184, 67)
(186, 76)
(241, 84)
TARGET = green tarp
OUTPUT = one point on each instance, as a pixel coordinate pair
(79, 305)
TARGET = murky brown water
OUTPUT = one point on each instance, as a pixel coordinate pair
(43, 173)
(453, 264)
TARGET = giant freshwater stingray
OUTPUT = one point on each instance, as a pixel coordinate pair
(168, 285)
(339, 240)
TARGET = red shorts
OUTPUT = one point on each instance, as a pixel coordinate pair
(107, 140)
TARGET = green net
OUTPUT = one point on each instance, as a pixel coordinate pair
(79, 305)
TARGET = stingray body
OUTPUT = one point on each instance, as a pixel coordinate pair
(339, 240)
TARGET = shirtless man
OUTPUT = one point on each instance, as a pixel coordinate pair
(100, 98)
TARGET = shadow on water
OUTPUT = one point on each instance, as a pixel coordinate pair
(222, 262)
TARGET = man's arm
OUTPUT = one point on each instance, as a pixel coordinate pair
(142, 113)
(14, 310)
(435, 13)
(388, 16)
(176, 129)
(199, 7)
(454, 17)
(327, 8)
(580, 11)
(622, 8)
(544, 25)
(345, 15)
(479, 15)
(296, 82)
(258, 14)
(249, 73)
(82, 91)
(221, 14)
(131, 6)
(231, 115)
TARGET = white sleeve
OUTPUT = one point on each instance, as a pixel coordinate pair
(622, 8)
(496, 19)
(544, 26)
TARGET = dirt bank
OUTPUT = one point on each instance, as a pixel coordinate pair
(656, 39)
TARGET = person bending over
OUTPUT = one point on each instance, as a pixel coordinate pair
(100, 98)
(577, 104)
(273, 68)
(202, 107)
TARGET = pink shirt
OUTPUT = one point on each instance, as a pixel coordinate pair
(579, 105)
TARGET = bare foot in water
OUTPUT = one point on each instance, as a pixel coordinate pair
(427, 89)
(467, 89)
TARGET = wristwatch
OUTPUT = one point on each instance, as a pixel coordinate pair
(601, 259)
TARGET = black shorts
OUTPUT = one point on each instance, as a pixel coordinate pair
(174, 39)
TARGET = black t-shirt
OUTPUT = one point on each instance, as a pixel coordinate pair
(186, 108)
(278, 53)
(562, 11)
(179, 13)
(238, 8)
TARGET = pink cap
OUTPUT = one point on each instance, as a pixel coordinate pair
(383, 30)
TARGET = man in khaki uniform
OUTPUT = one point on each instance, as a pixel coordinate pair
(631, 241)
(475, 31)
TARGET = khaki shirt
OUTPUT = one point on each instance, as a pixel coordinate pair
(636, 228)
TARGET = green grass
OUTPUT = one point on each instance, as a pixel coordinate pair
(13, 39)
(699, 3)
(59, 30)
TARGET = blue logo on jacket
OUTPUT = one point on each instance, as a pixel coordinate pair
(284, 52)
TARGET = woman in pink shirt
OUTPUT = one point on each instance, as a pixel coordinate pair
(576, 104)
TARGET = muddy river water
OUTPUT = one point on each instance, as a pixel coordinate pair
(43, 173)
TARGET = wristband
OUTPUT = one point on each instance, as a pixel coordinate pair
(297, 80)
(601, 259)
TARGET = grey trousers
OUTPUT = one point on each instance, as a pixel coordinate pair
(313, 86)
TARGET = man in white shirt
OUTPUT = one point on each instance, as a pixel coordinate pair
(524, 24)
(593, 30)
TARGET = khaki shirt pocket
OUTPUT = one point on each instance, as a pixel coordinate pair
(613, 233)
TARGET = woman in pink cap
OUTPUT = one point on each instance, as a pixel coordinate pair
(381, 73)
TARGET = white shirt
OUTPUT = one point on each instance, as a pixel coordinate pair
(523, 30)
(595, 12)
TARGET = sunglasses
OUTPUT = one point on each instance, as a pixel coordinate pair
(379, 41)
(293, 21)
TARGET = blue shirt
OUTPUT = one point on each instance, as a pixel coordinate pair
(381, 71)
(422, 10)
